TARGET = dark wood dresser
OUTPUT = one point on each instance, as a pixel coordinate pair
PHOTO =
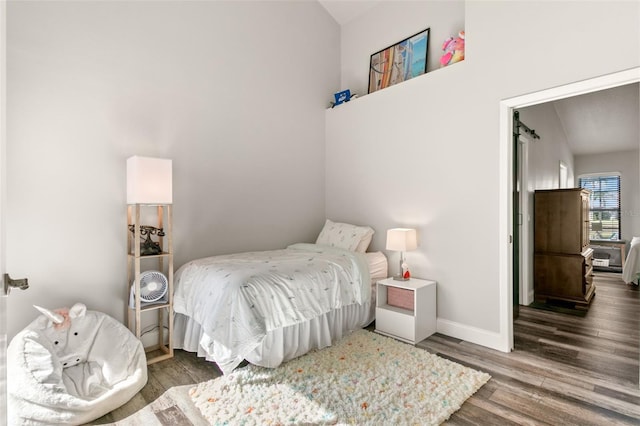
(563, 267)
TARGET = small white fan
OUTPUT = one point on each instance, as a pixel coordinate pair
(153, 287)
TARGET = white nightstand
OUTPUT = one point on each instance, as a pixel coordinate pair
(409, 325)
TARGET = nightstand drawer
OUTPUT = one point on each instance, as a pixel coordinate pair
(395, 321)
(401, 298)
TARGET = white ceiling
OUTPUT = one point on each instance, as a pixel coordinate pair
(344, 11)
(604, 121)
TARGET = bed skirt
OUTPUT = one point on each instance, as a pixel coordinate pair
(282, 344)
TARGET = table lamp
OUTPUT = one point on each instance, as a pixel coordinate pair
(402, 239)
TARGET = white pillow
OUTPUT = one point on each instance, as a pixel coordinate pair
(345, 236)
(365, 241)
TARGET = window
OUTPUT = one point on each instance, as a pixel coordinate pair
(564, 181)
(604, 201)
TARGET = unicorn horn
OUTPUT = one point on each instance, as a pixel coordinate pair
(55, 318)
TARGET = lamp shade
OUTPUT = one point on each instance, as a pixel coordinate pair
(402, 239)
(149, 180)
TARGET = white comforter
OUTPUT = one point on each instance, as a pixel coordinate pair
(238, 298)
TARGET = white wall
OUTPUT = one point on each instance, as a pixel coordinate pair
(625, 163)
(546, 153)
(233, 92)
(425, 153)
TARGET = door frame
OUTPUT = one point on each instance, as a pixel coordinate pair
(3, 139)
(521, 232)
(506, 165)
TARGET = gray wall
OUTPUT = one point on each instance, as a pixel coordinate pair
(426, 153)
(233, 92)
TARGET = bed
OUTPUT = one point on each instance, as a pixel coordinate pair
(631, 266)
(269, 307)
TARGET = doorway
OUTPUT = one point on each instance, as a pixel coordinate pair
(507, 107)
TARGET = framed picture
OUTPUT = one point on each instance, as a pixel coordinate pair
(399, 62)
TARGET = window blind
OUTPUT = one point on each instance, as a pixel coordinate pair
(604, 209)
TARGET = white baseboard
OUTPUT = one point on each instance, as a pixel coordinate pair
(471, 334)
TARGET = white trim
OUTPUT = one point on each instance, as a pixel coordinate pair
(505, 219)
(505, 178)
(470, 334)
(574, 89)
(3, 156)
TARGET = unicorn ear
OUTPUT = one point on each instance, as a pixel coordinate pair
(78, 310)
(55, 318)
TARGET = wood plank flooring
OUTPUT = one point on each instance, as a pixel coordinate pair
(565, 370)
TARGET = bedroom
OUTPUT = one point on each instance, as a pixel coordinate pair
(234, 95)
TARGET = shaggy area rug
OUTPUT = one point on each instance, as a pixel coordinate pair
(365, 378)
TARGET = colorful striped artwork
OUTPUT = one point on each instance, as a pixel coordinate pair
(399, 62)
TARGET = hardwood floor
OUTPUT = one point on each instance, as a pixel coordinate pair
(565, 370)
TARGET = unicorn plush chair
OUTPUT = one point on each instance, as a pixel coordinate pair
(71, 366)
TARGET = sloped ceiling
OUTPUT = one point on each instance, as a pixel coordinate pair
(603, 121)
(344, 11)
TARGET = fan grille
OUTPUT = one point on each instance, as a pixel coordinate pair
(153, 286)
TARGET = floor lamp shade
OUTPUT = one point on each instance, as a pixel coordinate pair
(149, 180)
